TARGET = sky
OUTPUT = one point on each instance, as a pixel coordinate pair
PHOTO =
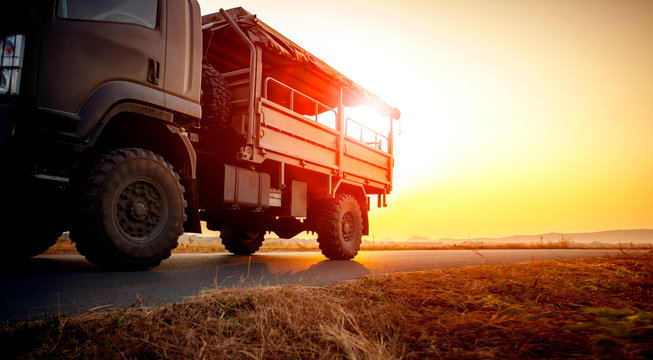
(518, 116)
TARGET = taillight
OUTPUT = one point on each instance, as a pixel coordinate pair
(11, 63)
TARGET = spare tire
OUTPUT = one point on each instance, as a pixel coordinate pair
(215, 99)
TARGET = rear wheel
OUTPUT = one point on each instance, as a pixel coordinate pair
(242, 240)
(130, 212)
(340, 227)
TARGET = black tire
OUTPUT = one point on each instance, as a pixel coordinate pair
(131, 211)
(339, 227)
(21, 245)
(215, 99)
(242, 240)
(32, 223)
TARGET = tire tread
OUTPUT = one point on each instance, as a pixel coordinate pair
(86, 234)
(328, 228)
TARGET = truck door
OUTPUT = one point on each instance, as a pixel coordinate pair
(87, 44)
(183, 54)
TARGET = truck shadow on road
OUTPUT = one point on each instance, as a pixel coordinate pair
(256, 271)
(71, 285)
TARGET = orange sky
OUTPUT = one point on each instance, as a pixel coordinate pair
(518, 117)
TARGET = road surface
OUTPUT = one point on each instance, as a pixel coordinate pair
(50, 285)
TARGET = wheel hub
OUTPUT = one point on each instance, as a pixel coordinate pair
(139, 210)
(348, 226)
(252, 234)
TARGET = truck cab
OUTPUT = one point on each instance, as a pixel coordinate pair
(81, 79)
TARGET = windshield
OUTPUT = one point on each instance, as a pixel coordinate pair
(141, 12)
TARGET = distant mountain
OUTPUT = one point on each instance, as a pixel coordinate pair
(638, 236)
(418, 239)
(625, 237)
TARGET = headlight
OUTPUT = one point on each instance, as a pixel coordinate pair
(11, 63)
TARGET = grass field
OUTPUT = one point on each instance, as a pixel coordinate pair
(584, 308)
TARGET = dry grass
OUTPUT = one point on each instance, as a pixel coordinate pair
(579, 308)
(65, 246)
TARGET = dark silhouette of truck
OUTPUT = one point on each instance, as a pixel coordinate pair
(128, 122)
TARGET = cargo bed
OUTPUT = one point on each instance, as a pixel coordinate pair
(289, 106)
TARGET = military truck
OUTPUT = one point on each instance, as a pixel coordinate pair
(129, 122)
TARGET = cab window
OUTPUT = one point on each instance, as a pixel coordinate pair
(139, 12)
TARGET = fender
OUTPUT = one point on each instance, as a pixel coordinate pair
(101, 105)
(146, 110)
(192, 156)
(192, 223)
(357, 189)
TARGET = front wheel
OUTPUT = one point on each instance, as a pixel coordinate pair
(131, 211)
(339, 227)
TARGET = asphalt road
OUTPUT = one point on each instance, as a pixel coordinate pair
(50, 285)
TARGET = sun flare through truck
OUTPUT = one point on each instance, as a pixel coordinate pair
(129, 122)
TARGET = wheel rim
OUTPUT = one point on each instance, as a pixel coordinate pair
(252, 234)
(347, 226)
(250, 237)
(140, 210)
